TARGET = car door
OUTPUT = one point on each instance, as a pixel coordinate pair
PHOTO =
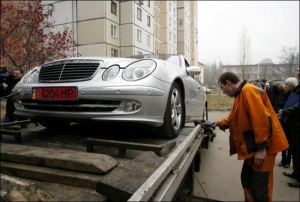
(195, 97)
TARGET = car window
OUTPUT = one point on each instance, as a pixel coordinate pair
(186, 63)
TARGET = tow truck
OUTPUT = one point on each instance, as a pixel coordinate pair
(132, 169)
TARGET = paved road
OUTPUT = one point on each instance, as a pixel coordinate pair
(219, 178)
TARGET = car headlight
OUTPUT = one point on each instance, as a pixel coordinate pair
(139, 70)
(30, 77)
(110, 73)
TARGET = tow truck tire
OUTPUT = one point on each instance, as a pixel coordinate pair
(174, 114)
(54, 124)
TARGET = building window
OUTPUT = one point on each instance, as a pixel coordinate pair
(139, 35)
(174, 25)
(148, 20)
(114, 52)
(114, 31)
(170, 21)
(169, 6)
(139, 52)
(139, 14)
(174, 11)
(169, 36)
(113, 7)
(174, 39)
(148, 40)
(148, 3)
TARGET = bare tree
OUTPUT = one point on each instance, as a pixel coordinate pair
(212, 72)
(289, 56)
(244, 50)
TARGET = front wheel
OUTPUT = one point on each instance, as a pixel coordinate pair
(174, 114)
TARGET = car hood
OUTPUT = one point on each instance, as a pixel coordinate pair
(107, 61)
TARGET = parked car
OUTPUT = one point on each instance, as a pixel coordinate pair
(159, 91)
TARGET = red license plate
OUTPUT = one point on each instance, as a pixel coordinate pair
(58, 93)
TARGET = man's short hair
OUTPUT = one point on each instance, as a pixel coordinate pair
(264, 80)
(230, 76)
(19, 69)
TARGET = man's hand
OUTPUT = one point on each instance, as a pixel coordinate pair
(260, 156)
(215, 124)
(279, 112)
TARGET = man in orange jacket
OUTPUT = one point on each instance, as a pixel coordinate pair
(256, 135)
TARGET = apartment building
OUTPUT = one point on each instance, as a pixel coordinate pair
(123, 28)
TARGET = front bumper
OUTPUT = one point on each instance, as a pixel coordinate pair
(98, 104)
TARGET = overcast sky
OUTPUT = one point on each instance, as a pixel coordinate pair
(270, 24)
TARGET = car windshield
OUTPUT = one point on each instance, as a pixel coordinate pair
(174, 59)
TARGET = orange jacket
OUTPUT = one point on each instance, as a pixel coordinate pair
(253, 124)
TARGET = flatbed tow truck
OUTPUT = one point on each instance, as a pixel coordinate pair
(115, 163)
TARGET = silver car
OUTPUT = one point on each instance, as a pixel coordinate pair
(160, 91)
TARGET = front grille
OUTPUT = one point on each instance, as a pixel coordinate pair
(68, 71)
(72, 106)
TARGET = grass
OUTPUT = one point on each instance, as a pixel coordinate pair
(219, 101)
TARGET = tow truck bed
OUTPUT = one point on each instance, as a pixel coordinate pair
(139, 175)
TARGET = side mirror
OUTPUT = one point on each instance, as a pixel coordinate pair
(193, 70)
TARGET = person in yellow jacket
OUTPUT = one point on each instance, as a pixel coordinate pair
(256, 135)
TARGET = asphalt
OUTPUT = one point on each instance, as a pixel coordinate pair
(219, 177)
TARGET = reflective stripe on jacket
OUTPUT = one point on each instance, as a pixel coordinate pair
(253, 124)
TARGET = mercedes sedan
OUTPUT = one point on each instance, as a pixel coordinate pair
(160, 91)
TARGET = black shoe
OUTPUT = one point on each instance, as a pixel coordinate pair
(286, 166)
(280, 163)
(294, 184)
(291, 175)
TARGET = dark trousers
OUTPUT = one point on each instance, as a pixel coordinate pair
(295, 131)
(287, 154)
(257, 180)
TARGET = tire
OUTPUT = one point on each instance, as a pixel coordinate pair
(54, 124)
(174, 114)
